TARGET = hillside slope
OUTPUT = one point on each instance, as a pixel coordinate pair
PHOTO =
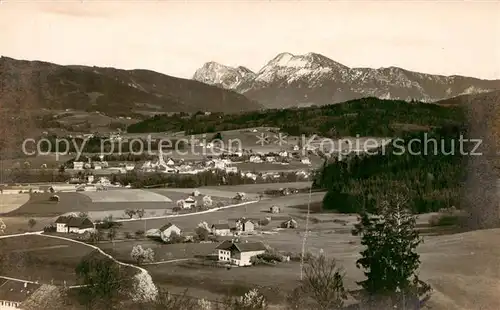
(33, 85)
(302, 80)
(364, 117)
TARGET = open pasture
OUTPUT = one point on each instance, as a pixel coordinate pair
(35, 162)
(40, 206)
(214, 282)
(182, 193)
(256, 210)
(258, 188)
(39, 258)
(163, 252)
(10, 202)
(126, 195)
(450, 263)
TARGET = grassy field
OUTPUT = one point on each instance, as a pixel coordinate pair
(214, 282)
(181, 193)
(11, 202)
(126, 195)
(38, 258)
(52, 161)
(163, 252)
(40, 206)
(257, 188)
(450, 263)
(462, 269)
(258, 210)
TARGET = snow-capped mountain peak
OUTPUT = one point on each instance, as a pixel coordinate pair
(294, 67)
(214, 73)
(296, 80)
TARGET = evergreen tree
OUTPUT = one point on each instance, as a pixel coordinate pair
(390, 260)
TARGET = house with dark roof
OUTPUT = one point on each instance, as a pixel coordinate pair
(167, 230)
(245, 225)
(239, 253)
(61, 224)
(221, 229)
(290, 223)
(72, 224)
(14, 293)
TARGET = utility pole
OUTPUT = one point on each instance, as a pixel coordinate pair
(305, 235)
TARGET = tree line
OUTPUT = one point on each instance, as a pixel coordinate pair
(98, 145)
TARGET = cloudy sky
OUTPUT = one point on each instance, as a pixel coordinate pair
(177, 37)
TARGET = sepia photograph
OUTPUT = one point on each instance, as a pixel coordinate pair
(249, 155)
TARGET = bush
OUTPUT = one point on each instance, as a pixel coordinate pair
(141, 255)
(267, 258)
(128, 235)
(50, 228)
(264, 222)
(202, 233)
(175, 238)
(444, 220)
(108, 225)
(140, 233)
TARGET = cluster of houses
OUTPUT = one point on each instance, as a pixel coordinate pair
(100, 165)
(170, 165)
(230, 252)
(283, 157)
(180, 166)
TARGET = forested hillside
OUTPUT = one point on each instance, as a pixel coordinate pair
(366, 117)
(433, 177)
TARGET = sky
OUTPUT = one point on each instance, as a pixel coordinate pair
(177, 37)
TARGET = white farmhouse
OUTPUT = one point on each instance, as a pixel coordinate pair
(221, 229)
(219, 164)
(72, 224)
(283, 154)
(231, 169)
(239, 254)
(245, 225)
(187, 203)
(167, 230)
(61, 224)
(270, 159)
(14, 293)
(250, 175)
(255, 159)
(78, 165)
(305, 161)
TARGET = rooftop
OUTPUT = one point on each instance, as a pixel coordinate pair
(16, 291)
(80, 222)
(242, 246)
(166, 226)
(221, 226)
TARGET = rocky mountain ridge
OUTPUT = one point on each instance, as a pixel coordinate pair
(312, 79)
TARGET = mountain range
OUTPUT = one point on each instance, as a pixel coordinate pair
(312, 79)
(37, 85)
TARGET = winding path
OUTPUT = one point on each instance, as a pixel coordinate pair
(188, 214)
(140, 269)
